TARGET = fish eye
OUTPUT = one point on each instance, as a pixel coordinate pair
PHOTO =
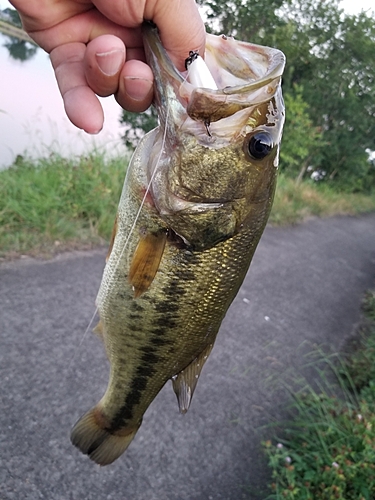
(258, 145)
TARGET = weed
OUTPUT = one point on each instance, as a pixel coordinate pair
(58, 203)
(54, 201)
(296, 202)
(328, 449)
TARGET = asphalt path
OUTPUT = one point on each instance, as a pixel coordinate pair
(303, 290)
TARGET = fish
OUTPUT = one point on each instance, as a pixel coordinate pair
(196, 198)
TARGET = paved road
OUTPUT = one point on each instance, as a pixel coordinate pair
(304, 289)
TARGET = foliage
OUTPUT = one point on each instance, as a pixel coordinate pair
(12, 16)
(330, 59)
(332, 455)
(329, 448)
(369, 308)
(295, 201)
(18, 49)
(136, 125)
(54, 202)
(359, 368)
(335, 71)
(328, 84)
(301, 140)
(254, 21)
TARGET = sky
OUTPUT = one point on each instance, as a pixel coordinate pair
(355, 6)
(32, 116)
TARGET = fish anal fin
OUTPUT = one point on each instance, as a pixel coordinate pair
(91, 435)
(185, 382)
(146, 261)
(113, 236)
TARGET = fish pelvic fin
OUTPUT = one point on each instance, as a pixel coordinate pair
(146, 260)
(185, 382)
(92, 438)
(98, 329)
(113, 236)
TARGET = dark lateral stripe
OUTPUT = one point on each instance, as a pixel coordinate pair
(144, 372)
(133, 398)
(167, 307)
(134, 317)
(136, 306)
(158, 341)
(166, 322)
(150, 358)
(158, 331)
(150, 354)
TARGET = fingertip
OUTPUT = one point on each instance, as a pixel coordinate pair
(84, 110)
(137, 89)
(104, 59)
(135, 86)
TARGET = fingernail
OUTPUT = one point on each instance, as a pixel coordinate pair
(110, 62)
(137, 88)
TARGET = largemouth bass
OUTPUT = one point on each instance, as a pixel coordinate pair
(196, 199)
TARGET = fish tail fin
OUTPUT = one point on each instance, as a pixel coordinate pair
(94, 439)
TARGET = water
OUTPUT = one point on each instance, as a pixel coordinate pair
(32, 116)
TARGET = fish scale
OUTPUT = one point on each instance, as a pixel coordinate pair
(195, 201)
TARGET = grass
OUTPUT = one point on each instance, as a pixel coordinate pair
(328, 449)
(57, 203)
(294, 203)
(53, 203)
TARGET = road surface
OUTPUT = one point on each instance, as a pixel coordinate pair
(303, 290)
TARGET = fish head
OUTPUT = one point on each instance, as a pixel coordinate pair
(213, 165)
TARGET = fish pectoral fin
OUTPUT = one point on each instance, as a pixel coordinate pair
(92, 437)
(146, 260)
(185, 382)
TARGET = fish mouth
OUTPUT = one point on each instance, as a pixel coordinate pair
(202, 119)
(245, 75)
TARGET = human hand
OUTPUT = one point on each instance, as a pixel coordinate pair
(96, 48)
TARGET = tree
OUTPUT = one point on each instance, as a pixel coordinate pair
(330, 61)
(254, 20)
(333, 62)
(136, 125)
(12, 16)
(18, 48)
(302, 142)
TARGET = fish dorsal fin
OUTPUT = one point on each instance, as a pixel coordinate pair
(146, 260)
(185, 382)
